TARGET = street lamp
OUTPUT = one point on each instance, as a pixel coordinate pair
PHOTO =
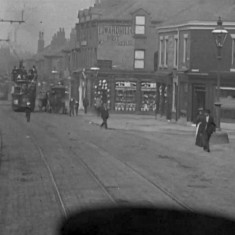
(220, 34)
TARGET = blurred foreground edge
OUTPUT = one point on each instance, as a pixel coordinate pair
(142, 220)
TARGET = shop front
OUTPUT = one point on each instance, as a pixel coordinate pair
(125, 92)
(197, 90)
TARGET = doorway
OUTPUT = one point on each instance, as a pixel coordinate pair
(199, 99)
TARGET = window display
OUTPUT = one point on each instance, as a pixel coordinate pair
(227, 99)
(148, 96)
(125, 96)
(102, 91)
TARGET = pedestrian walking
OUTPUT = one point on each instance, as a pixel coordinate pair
(199, 128)
(104, 116)
(205, 127)
(28, 111)
(98, 104)
(71, 107)
(210, 128)
(85, 104)
(76, 107)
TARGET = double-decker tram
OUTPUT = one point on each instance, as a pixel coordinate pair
(24, 88)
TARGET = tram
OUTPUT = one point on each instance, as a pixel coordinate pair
(23, 89)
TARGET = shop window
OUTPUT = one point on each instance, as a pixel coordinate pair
(233, 50)
(125, 96)
(140, 25)
(102, 92)
(148, 96)
(227, 99)
(139, 59)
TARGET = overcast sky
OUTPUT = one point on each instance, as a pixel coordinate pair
(45, 15)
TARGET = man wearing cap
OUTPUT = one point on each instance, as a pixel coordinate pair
(28, 111)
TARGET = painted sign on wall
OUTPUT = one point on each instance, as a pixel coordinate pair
(116, 43)
(116, 35)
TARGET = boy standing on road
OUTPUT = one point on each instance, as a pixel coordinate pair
(104, 116)
(28, 111)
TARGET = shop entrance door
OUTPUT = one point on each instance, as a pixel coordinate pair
(199, 100)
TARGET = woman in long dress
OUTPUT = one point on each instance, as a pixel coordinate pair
(200, 127)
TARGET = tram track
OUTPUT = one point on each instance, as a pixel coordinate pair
(56, 188)
(156, 185)
(160, 187)
(90, 171)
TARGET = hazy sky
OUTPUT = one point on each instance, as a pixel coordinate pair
(44, 15)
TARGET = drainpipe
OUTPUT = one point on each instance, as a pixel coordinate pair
(177, 69)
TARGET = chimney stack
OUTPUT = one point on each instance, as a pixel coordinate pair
(41, 42)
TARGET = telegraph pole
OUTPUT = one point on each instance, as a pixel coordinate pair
(15, 21)
(4, 40)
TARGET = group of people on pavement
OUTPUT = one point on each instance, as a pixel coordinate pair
(73, 107)
(205, 126)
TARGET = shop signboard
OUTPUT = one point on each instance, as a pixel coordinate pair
(116, 43)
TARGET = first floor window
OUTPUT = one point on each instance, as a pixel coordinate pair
(161, 54)
(185, 48)
(176, 53)
(140, 25)
(139, 59)
(233, 50)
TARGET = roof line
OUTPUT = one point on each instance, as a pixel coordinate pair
(196, 23)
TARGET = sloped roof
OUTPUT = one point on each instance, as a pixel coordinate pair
(205, 10)
(160, 10)
(170, 11)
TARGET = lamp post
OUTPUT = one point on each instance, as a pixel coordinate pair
(220, 34)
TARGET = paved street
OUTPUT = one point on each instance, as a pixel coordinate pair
(56, 164)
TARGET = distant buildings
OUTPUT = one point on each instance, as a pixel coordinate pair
(139, 56)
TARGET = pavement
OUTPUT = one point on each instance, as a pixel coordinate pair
(148, 123)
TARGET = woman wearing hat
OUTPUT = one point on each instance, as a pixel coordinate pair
(200, 127)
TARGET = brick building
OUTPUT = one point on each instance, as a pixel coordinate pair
(187, 51)
(123, 49)
(118, 37)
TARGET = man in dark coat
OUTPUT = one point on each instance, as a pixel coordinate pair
(71, 107)
(85, 104)
(104, 116)
(210, 127)
(76, 107)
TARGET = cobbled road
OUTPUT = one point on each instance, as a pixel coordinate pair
(57, 164)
